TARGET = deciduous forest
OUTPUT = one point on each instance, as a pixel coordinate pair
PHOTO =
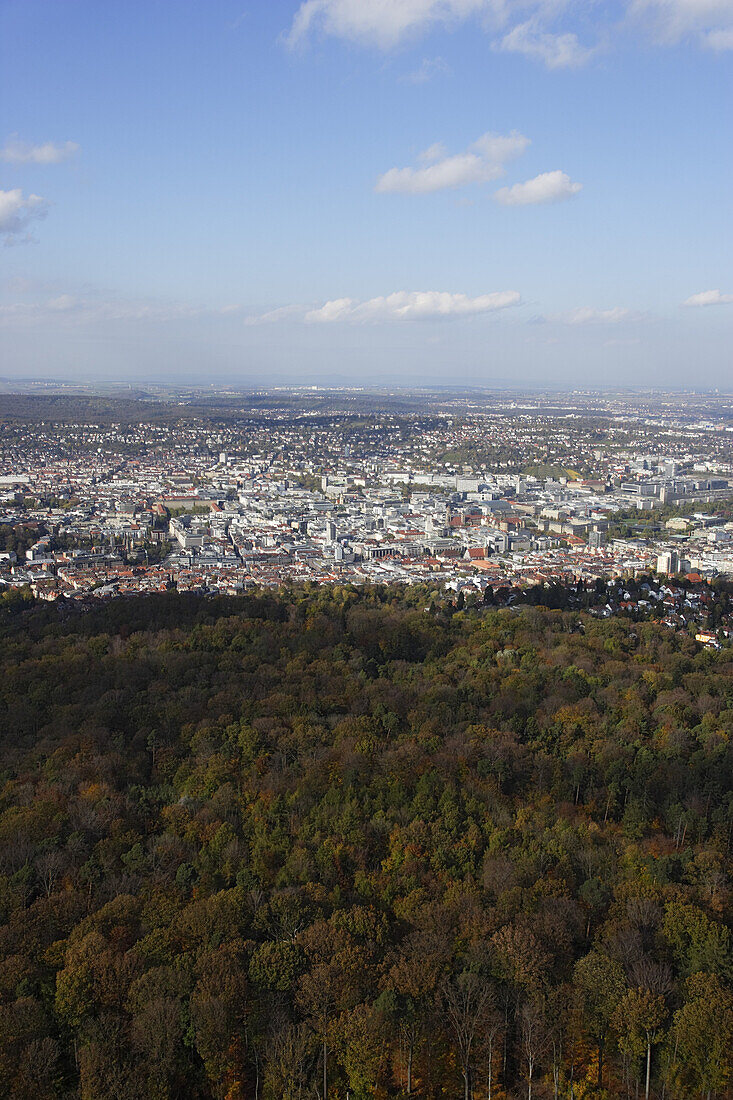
(348, 842)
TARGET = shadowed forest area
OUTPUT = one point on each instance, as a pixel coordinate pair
(347, 842)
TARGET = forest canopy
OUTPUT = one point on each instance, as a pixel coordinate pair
(348, 841)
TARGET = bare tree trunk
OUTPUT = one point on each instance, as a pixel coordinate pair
(556, 1061)
(506, 1031)
(325, 1071)
(670, 1069)
(491, 1068)
(409, 1063)
(648, 1068)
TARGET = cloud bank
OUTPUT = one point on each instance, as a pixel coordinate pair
(402, 305)
(412, 305)
(528, 27)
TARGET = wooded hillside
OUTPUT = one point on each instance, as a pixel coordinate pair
(333, 839)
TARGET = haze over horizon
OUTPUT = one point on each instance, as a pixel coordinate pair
(367, 192)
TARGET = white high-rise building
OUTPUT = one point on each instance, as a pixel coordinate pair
(668, 562)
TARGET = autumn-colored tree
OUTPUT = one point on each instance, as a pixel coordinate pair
(413, 978)
(155, 1004)
(638, 1019)
(331, 983)
(290, 1056)
(219, 1005)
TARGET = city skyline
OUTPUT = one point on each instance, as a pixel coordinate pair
(341, 191)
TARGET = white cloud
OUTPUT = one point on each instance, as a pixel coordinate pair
(22, 152)
(557, 51)
(547, 187)
(586, 315)
(17, 211)
(670, 21)
(436, 151)
(719, 40)
(412, 305)
(71, 311)
(708, 298)
(382, 23)
(338, 309)
(482, 161)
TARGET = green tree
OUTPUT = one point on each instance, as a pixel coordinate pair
(599, 985)
(703, 1037)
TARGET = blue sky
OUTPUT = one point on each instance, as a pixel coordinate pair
(367, 191)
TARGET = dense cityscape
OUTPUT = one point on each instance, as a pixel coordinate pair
(468, 492)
